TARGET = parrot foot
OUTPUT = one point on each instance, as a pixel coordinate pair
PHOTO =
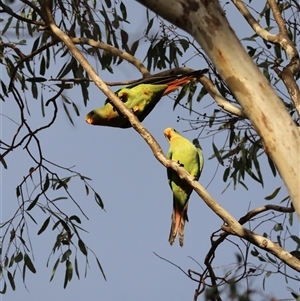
(180, 164)
(135, 109)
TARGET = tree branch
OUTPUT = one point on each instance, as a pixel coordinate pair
(289, 71)
(213, 92)
(261, 209)
(24, 58)
(115, 51)
(10, 12)
(264, 34)
(282, 38)
(265, 244)
(206, 21)
(220, 100)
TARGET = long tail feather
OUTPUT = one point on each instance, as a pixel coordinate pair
(170, 79)
(181, 232)
(177, 225)
(181, 81)
(184, 218)
(173, 233)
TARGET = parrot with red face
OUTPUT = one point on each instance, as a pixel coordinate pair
(141, 98)
(188, 155)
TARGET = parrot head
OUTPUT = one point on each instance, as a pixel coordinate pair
(101, 116)
(169, 133)
(108, 115)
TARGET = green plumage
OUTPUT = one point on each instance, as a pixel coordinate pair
(189, 156)
(141, 98)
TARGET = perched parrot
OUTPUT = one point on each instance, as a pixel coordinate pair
(188, 155)
(141, 98)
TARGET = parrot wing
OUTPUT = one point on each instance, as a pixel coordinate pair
(200, 154)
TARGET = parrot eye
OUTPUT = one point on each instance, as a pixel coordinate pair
(123, 97)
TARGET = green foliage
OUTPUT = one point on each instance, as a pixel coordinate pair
(67, 227)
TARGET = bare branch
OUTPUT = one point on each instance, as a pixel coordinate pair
(266, 35)
(209, 86)
(288, 72)
(282, 38)
(178, 267)
(261, 209)
(220, 100)
(278, 18)
(115, 51)
(266, 245)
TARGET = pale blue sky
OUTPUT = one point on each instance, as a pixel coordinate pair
(136, 195)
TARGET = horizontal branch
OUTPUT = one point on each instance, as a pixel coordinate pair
(261, 209)
(220, 100)
(265, 244)
(114, 51)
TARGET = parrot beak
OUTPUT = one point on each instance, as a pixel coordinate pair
(167, 133)
(95, 117)
(89, 119)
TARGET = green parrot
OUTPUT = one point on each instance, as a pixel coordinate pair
(141, 98)
(188, 155)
